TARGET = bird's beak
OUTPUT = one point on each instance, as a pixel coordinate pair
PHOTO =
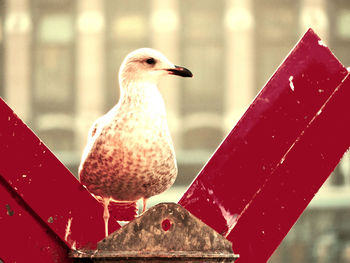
(180, 71)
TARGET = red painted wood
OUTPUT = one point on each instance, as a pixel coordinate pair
(46, 186)
(247, 158)
(24, 237)
(294, 182)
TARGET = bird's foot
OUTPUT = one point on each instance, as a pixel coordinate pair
(106, 213)
(144, 205)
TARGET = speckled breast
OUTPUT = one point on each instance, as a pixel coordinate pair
(129, 163)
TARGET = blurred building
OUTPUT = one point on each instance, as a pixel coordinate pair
(59, 61)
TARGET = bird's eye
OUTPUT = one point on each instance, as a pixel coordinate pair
(151, 61)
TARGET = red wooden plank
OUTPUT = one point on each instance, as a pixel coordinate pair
(273, 122)
(46, 186)
(296, 179)
(24, 237)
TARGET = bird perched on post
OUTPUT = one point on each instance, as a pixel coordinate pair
(129, 154)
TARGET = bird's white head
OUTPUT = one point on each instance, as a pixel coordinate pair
(148, 66)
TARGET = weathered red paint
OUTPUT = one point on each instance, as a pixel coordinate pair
(295, 181)
(52, 193)
(24, 236)
(270, 166)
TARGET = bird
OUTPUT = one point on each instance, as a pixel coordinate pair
(129, 153)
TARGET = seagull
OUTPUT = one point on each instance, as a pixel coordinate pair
(129, 153)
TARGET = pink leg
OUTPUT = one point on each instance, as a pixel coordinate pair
(106, 213)
(144, 201)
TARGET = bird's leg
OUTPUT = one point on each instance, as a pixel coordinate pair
(144, 201)
(106, 213)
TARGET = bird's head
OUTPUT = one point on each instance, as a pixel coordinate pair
(148, 65)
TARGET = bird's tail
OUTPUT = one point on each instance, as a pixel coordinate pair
(123, 211)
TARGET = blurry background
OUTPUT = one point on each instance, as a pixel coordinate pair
(58, 70)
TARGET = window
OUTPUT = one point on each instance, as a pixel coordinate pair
(276, 34)
(339, 42)
(339, 13)
(201, 100)
(53, 73)
(202, 44)
(127, 29)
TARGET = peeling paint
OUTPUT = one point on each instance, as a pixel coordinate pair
(68, 226)
(10, 212)
(291, 85)
(321, 43)
(50, 219)
(230, 219)
(282, 160)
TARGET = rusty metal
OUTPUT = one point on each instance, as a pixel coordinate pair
(165, 232)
